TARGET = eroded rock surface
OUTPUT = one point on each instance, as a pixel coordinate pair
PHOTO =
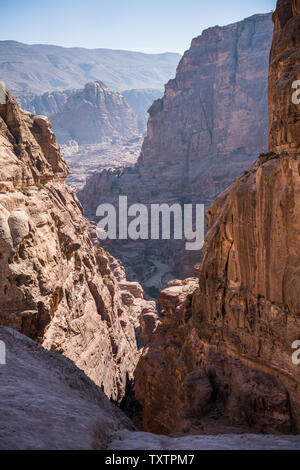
(47, 403)
(284, 122)
(234, 330)
(93, 115)
(55, 286)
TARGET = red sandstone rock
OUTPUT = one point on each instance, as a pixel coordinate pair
(93, 115)
(56, 287)
(236, 330)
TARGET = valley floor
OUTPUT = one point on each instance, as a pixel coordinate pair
(87, 159)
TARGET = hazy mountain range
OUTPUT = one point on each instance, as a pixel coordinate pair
(38, 68)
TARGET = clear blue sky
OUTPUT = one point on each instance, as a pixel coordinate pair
(142, 25)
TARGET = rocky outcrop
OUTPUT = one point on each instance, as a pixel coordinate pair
(51, 405)
(47, 403)
(56, 287)
(206, 130)
(93, 115)
(223, 347)
(100, 118)
(51, 103)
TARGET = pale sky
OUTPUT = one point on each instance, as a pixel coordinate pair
(140, 25)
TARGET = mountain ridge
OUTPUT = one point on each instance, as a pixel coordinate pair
(41, 68)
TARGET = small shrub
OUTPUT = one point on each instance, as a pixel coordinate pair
(266, 157)
(19, 150)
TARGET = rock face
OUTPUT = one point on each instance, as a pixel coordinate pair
(140, 101)
(212, 120)
(225, 345)
(40, 68)
(51, 103)
(56, 287)
(208, 128)
(47, 403)
(93, 115)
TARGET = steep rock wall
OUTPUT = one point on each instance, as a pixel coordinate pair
(56, 287)
(224, 346)
(208, 128)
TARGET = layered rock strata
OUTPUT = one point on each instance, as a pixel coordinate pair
(56, 287)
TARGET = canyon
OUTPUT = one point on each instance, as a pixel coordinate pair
(214, 369)
(56, 287)
(140, 100)
(208, 128)
(97, 128)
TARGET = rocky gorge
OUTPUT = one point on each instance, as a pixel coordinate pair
(223, 346)
(208, 128)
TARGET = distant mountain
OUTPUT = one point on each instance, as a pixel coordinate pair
(39, 68)
(51, 103)
(140, 101)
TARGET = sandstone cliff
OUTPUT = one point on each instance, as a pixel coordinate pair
(96, 127)
(55, 286)
(48, 104)
(51, 103)
(49, 404)
(40, 68)
(284, 124)
(208, 128)
(223, 348)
